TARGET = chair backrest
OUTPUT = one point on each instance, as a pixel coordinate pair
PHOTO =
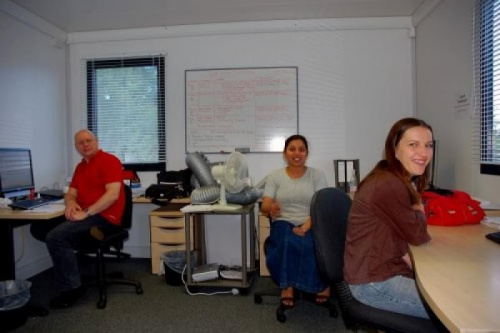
(127, 212)
(329, 213)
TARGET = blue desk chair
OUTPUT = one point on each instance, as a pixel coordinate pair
(329, 213)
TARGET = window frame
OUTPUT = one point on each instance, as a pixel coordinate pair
(485, 28)
(159, 61)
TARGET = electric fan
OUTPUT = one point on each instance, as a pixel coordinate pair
(233, 176)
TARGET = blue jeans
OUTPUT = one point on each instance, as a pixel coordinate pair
(291, 259)
(397, 294)
(63, 240)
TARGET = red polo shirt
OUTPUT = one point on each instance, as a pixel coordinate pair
(90, 179)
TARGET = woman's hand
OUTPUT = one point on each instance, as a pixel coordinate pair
(418, 206)
(275, 210)
(406, 258)
(303, 229)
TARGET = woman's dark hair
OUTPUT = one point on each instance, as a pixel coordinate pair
(296, 137)
(391, 164)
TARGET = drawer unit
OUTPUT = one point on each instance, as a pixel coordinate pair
(264, 230)
(167, 233)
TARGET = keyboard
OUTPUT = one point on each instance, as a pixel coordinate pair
(30, 204)
(494, 236)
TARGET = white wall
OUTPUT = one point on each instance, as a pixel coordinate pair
(355, 78)
(33, 115)
(444, 70)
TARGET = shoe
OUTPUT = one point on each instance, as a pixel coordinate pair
(287, 303)
(97, 233)
(68, 297)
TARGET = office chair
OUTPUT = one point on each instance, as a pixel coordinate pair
(112, 240)
(298, 295)
(329, 213)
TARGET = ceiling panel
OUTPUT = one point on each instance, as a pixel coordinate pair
(91, 15)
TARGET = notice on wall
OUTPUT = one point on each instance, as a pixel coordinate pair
(246, 109)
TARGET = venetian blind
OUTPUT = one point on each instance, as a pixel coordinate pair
(125, 107)
(487, 82)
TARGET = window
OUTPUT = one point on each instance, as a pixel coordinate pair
(126, 109)
(487, 61)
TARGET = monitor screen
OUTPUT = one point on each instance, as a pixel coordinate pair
(16, 172)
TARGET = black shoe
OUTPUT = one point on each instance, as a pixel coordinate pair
(67, 298)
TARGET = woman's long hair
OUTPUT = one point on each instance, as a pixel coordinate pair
(391, 164)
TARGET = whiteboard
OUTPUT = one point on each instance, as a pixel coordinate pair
(253, 109)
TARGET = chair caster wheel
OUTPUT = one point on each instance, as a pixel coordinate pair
(139, 291)
(257, 299)
(280, 315)
(101, 304)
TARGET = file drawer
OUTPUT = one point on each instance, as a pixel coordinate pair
(157, 250)
(168, 235)
(167, 222)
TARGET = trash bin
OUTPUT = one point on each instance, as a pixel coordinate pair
(14, 297)
(174, 262)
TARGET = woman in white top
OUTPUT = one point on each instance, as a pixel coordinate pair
(290, 254)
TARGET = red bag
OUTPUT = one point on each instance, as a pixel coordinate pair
(451, 209)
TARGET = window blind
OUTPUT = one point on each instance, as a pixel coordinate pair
(487, 82)
(125, 108)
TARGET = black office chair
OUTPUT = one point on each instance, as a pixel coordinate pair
(298, 295)
(111, 244)
(329, 213)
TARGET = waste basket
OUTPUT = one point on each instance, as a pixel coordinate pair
(174, 262)
(14, 297)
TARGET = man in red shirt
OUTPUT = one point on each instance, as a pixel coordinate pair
(95, 200)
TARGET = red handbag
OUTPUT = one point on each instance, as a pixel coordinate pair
(451, 208)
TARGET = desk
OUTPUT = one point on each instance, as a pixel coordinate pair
(458, 273)
(247, 275)
(10, 219)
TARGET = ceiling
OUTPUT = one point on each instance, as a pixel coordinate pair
(92, 15)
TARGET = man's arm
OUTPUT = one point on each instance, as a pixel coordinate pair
(107, 199)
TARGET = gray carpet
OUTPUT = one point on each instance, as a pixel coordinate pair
(165, 308)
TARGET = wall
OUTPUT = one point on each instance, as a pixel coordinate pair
(33, 115)
(355, 78)
(443, 71)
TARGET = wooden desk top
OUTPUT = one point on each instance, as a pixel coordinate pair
(8, 213)
(458, 273)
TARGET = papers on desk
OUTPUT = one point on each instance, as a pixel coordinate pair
(487, 205)
(197, 208)
(492, 221)
(52, 207)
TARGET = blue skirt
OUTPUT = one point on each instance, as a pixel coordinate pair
(291, 259)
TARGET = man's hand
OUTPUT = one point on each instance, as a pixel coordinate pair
(71, 205)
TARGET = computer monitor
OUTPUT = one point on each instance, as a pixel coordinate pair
(16, 172)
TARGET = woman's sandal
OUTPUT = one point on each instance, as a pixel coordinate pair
(287, 302)
(321, 299)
